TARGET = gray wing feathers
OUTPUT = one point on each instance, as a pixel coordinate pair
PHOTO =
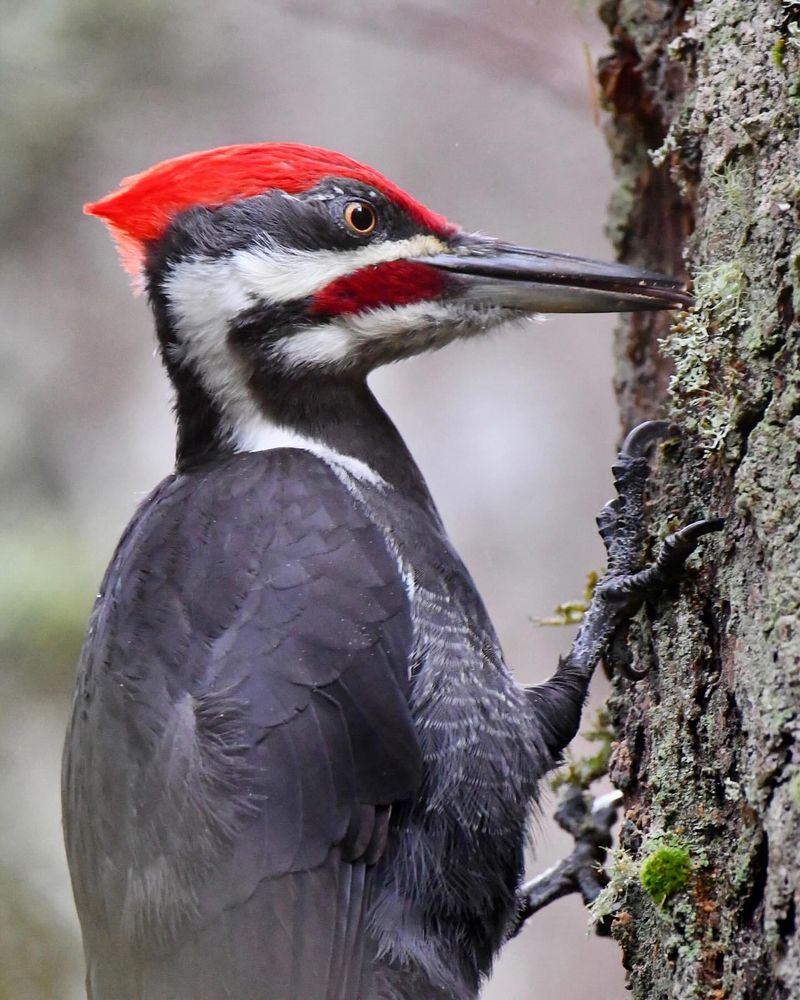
(302, 936)
(240, 727)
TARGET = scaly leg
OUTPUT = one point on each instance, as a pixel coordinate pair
(621, 592)
(559, 701)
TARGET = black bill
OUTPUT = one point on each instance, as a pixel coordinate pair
(530, 280)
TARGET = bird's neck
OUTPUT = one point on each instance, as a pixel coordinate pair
(239, 405)
(337, 417)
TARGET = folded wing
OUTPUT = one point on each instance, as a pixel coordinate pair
(239, 735)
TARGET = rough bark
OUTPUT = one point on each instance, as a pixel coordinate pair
(704, 100)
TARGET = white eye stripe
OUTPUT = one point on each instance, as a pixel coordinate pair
(279, 274)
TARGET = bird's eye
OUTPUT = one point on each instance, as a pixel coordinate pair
(361, 217)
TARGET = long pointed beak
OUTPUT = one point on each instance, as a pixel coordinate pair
(538, 281)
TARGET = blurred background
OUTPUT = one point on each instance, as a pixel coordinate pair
(484, 110)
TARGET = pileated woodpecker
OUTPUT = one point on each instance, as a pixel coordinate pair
(297, 764)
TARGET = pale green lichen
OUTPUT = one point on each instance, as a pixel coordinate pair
(794, 274)
(705, 382)
(669, 145)
(622, 870)
(733, 183)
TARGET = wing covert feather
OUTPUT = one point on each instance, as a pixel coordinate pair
(242, 695)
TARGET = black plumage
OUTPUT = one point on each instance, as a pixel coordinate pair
(242, 720)
(280, 737)
(298, 767)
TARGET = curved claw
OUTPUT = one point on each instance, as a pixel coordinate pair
(691, 532)
(681, 544)
(643, 436)
(630, 589)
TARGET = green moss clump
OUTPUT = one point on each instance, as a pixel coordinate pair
(664, 872)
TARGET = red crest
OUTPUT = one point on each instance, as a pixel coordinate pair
(143, 205)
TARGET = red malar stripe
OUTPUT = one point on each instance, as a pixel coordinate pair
(395, 283)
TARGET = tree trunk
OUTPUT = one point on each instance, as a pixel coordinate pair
(704, 101)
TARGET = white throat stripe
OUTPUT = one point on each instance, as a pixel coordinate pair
(262, 435)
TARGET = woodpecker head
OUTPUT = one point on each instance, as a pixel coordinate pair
(271, 265)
